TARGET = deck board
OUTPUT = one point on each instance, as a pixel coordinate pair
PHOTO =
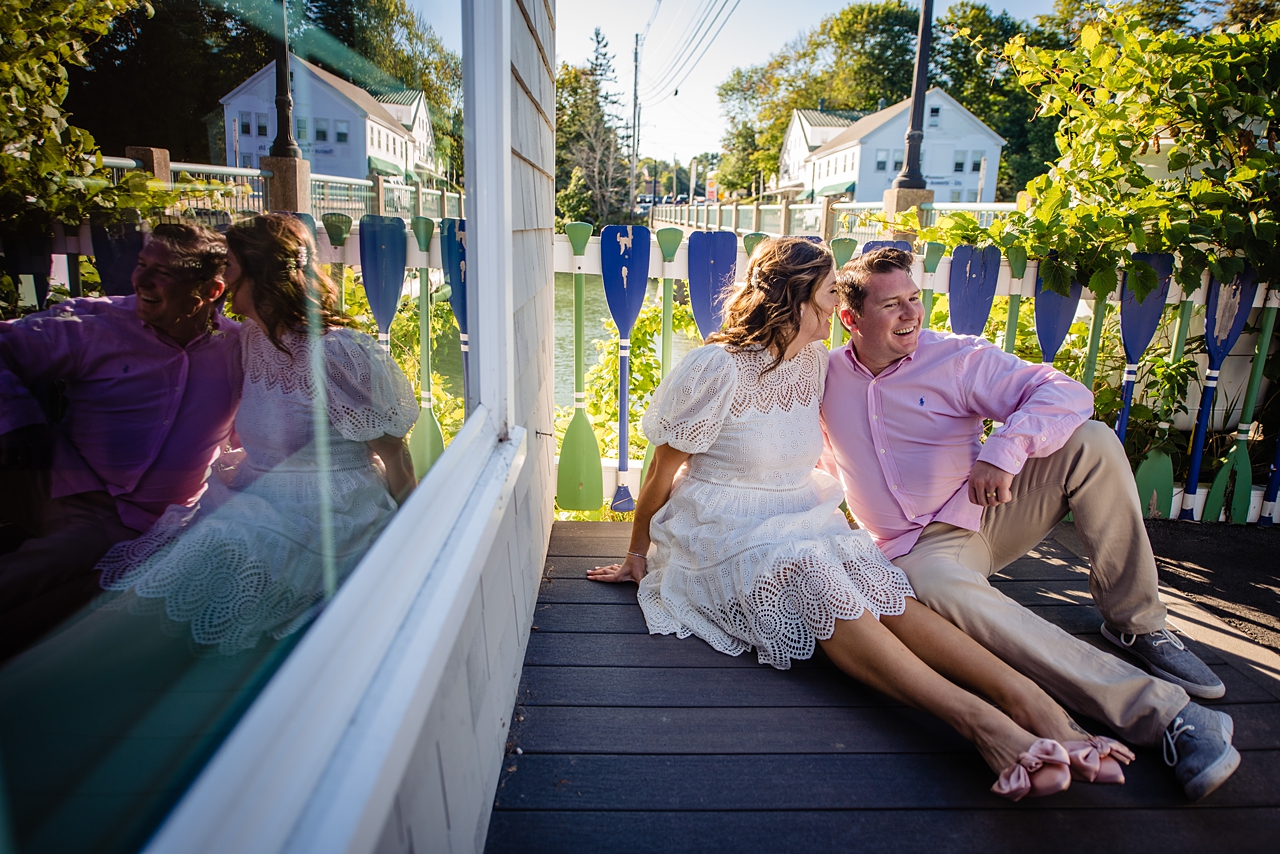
(633, 742)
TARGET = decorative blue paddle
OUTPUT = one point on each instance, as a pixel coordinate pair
(453, 248)
(1225, 312)
(383, 255)
(713, 256)
(115, 253)
(1138, 322)
(885, 244)
(1054, 314)
(624, 265)
(971, 287)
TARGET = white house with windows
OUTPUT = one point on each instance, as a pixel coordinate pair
(808, 131)
(960, 156)
(342, 129)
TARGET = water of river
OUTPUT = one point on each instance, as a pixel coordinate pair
(595, 313)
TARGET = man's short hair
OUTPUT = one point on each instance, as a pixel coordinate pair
(853, 276)
(199, 252)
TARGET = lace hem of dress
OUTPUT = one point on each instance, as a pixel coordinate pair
(793, 602)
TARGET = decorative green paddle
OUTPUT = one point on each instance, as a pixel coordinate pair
(1017, 256)
(933, 252)
(1095, 340)
(426, 442)
(668, 241)
(1237, 466)
(338, 227)
(580, 480)
(752, 240)
(842, 248)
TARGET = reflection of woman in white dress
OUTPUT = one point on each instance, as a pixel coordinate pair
(251, 558)
(739, 540)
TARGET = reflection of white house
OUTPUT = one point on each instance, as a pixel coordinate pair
(861, 160)
(342, 129)
(808, 131)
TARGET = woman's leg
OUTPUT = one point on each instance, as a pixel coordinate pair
(964, 661)
(866, 650)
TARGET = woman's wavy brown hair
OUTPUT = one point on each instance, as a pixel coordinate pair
(781, 277)
(278, 253)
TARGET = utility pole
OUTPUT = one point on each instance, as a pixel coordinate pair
(635, 124)
(693, 178)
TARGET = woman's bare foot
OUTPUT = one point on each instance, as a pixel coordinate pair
(1035, 711)
(999, 739)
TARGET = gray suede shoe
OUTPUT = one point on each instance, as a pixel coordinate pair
(1168, 658)
(1197, 745)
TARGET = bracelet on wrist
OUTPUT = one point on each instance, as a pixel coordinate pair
(638, 554)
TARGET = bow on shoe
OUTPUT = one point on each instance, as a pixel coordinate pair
(1041, 770)
(1098, 760)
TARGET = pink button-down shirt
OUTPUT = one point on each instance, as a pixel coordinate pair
(145, 417)
(903, 443)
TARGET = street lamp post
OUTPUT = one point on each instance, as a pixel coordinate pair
(911, 178)
(284, 145)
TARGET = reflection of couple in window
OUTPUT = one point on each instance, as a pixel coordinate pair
(155, 384)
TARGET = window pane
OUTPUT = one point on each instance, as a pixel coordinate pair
(973, 195)
(959, 166)
(897, 159)
(955, 195)
(235, 461)
(977, 161)
(882, 159)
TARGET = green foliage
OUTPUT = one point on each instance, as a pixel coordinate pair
(588, 137)
(50, 171)
(573, 203)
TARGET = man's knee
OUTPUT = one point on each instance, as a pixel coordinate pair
(941, 583)
(1095, 439)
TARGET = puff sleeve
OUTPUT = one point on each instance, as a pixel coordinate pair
(369, 396)
(692, 403)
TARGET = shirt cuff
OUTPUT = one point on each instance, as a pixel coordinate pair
(1004, 453)
(20, 413)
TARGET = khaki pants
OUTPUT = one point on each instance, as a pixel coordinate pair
(1090, 476)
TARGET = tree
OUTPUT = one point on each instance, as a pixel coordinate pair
(736, 171)
(1247, 11)
(588, 138)
(48, 171)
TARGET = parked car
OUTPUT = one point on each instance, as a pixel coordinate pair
(682, 199)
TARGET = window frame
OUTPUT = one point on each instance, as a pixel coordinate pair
(882, 160)
(322, 130)
(246, 122)
(959, 160)
(342, 131)
(318, 754)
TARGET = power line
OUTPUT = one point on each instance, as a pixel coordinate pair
(681, 56)
(657, 4)
(676, 87)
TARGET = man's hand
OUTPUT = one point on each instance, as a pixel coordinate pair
(28, 448)
(989, 485)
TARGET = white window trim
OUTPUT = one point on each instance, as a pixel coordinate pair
(314, 762)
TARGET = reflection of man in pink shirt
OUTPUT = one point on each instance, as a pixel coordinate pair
(903, 414)
(151, 387)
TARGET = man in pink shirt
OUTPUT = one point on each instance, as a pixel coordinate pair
(152, 382)
(903, 415)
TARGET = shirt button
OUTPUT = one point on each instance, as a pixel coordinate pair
(881, 450)
(1043, 439)
(875, 417)
(166, 423)
(895, 486)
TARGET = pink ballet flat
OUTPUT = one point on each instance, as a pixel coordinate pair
(1042, 770)
(1098, 760)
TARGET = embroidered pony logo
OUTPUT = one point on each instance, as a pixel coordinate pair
(922, 401)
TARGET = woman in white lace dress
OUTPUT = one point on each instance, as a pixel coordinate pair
(261, 554)
(739, 540)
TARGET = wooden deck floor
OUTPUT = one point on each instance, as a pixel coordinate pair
(622, 741)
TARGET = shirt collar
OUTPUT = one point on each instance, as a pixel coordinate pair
(853, 359)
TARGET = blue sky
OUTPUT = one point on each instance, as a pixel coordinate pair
(690, 123)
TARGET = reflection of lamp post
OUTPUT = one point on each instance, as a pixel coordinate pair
(911, 178)
(284, 144)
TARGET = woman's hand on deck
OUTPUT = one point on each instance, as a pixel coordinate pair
(631, 569)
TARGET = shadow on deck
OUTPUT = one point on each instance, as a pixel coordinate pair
(631, 742)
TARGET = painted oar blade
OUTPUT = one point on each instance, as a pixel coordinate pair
(426, 443)
(1217, 497)
(453, 248)
(871, 245)
(1054, 315)
(1140, 319)
(622, 501)
(115, 254)
(624, 266)
(713, 256)
(751, 241)
(337, 226)
(972, 287)
(1155, 485)
(307, 219)
(383, 255)
(843, 248)
(1226, 310)
(579, 480)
